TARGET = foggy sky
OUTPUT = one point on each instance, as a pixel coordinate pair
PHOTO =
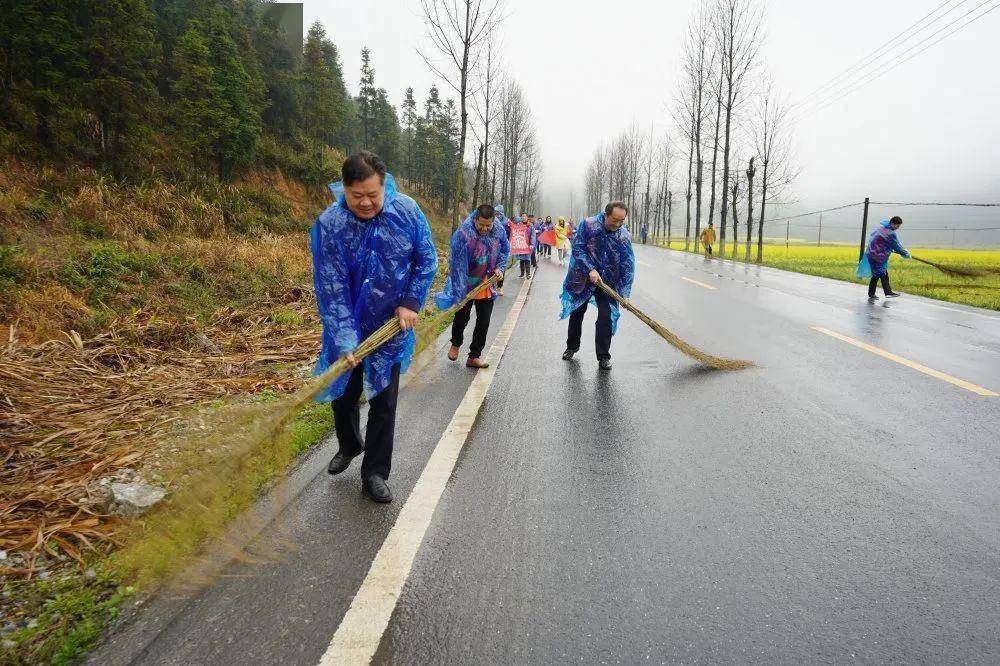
(927, 130)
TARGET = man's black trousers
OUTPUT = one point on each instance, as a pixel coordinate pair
(886, 287)
(484, 310)
(381, 423)
(602, 338)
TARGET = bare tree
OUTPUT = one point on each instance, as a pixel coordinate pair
(694, 100)
(596, 177)
(484, 104)
(457, 29)
(739, 35)
(513, 144)
(771, 131)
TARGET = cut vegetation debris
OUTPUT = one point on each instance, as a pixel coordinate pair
(74, 411)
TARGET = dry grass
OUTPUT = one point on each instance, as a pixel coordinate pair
(74, 410)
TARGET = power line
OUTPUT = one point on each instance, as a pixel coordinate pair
(827, 101)
(877, 52)
(815, 212)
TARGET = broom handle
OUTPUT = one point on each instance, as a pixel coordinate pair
(625, 303)
(384, 334)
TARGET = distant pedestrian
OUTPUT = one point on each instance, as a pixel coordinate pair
(373, 260)
(504, 223)
(535, 232)
(708, 238)
(562, 231)
(602, 252)
(644, 232)
(479, 249)
(875, 264)
(521, 244)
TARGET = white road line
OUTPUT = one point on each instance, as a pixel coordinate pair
(643, 263)
(360, 632)
(700, 284)
(968, 386)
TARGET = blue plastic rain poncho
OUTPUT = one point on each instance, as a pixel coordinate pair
(502, 218)
(882, 242)
(363, 270)
(474, 257)
(610, 254)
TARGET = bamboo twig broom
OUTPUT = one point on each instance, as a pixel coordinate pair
(695, 353)
(955, 271)
(386, 332)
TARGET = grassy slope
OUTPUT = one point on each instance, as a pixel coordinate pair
(840, 262)
(79, 252)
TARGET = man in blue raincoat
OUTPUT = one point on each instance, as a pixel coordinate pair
(373, 259)
(875, 264)
(602, 251)
(504, 222)
(479, 250)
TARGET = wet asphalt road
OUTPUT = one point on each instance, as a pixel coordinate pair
(828, 505)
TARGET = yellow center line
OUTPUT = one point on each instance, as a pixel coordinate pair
(700, 284)
(968, 386)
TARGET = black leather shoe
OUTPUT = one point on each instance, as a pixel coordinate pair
(377, 489)
(568, 354)
(892, 294)
(604, 363)
(341, 461)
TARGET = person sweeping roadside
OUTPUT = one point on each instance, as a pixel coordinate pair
(479, 249)
(373, 260)
(882, 242)
(602, 252)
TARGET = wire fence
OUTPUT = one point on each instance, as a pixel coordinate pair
(927, 224)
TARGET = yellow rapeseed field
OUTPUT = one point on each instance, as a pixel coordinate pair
(840, 262)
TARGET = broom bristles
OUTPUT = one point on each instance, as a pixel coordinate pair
(955, 271)
(716, 362)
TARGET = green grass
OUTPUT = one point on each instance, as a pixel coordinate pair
(71, 613)
(840, 262)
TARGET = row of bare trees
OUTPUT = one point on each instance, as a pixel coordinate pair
(728, 119)
(465, 53)
(635, 167)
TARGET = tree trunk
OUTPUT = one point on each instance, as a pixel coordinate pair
(725, 176)
(479, 171)
(460, 162)
(687, 227)
(670, 214)
(715, 152)
(697, 202)
(760, 223)
(750, 175)
(722, 245)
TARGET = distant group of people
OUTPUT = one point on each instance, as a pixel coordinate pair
(374, 259)
(536, 237)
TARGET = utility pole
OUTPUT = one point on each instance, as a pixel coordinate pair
(864, 231)
(819, 236)
(787, 224)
